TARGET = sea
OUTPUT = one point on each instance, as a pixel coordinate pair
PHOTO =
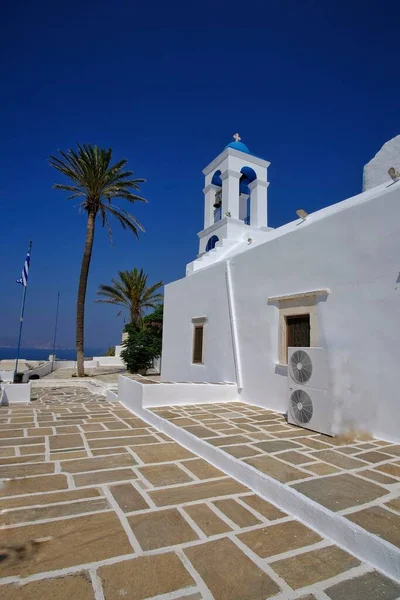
(43, 353)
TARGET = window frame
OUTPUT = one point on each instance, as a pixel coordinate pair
(287, 326)
(294, 305)
(198, 323)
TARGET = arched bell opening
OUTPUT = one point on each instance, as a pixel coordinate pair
(217, 181)
(248, 175)
(211, 242)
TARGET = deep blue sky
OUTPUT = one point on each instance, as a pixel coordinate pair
(311, 86)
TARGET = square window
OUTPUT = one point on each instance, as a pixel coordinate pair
(298, 320)
(297, 331)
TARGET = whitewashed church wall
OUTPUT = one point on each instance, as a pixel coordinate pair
(354, 251)
(376, 170)
(201, 295)
(356, 254)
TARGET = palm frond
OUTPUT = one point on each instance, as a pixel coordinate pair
(130, 290)
(99, 182)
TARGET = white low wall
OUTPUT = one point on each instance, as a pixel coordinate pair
(7, 375)
(72, 364)
(47, 367)
(105, 361)
(41, 370)
(64, 364)
(95, 386)
(170, 394)
(112, 395)
(13, 393)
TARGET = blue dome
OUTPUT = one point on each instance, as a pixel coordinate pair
(238, 146)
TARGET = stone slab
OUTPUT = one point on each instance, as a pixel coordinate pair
(279, 538)
(164, 474)
(161, 452)
(49, 498)
(267, 510)
(241, 451)
(122, 441)
(161, 528)
(97, 464)
(390, 469)
(21, 441)
(237, 513)
(379, 521)
(206, 519)
(339, 460)
(228, 440)
(296, 458)
(229, 573)
(276, 469)
(197, 491)
(340, 491)
(374, 456)
(106, 476)
(371, 586)
(54, 511)
(77, 587)
(74, 541)
(394, 504)
(322, 469)
(145, 577)
(128, 497)
(378, 477)
(97, 435)
(277, 445)
(199, 431)
(36, 449)
(74, 440)
(311, 567)
(33, 485)
(202, 469)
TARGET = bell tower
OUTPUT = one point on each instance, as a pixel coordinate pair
(235, 196)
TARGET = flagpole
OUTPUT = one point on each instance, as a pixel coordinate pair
(21, 320)
(55, 332)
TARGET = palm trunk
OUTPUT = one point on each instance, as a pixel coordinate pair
(80, 308)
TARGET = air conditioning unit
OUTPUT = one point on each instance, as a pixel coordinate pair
(310, 401)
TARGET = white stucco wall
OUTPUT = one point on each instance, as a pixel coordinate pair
(376, 171)
(105, 361)
(204, 296)
(352, 249)
(12, 393)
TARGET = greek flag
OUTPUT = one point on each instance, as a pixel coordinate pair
(24, 275)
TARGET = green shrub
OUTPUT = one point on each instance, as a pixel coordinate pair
(110, 351)
(144, 342)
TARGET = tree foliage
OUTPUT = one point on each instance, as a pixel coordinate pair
(144, 341)
(96, 182)
(132, 292)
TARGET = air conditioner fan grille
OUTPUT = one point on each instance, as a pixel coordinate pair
(300, 366)
(301, 406)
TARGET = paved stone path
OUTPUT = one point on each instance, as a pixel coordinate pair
(359, 479)
(108, 374)
(97, 505)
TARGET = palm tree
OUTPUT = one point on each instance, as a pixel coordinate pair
(97, 182)
(132, 292)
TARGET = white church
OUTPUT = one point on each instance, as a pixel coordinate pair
(311, 308)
